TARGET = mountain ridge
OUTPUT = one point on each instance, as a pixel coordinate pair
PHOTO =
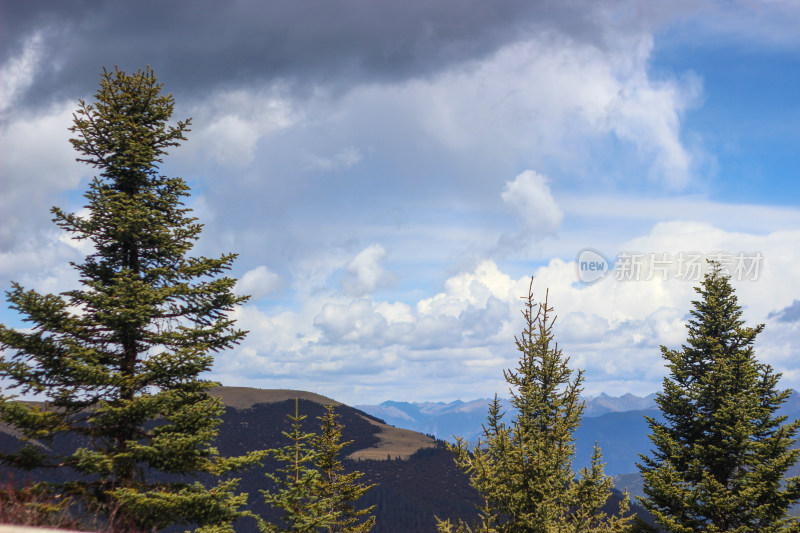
(418, 411)
(415, 474)
(616, 423)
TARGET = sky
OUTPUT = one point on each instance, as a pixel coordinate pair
(392, 174)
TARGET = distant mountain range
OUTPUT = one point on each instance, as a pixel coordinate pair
(616, 423)
(443, 420)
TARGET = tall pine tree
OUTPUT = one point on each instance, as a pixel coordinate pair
(523, 470)
(722, 451)
(119, 360)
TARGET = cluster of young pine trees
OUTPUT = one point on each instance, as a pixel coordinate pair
(120, 363)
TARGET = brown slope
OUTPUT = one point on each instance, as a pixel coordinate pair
(247, 397)
(394, 442)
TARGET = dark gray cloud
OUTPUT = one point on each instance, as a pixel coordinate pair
(788, 314)
(197, 45)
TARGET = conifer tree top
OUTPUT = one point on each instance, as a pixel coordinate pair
(722, 451)
(125, 133)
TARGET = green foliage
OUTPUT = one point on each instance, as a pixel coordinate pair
(524, 470)
(119, 359)
(338, 490)
(722, 452)
(311, 489)
(295, 483)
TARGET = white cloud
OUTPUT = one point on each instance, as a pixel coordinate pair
(334, 336)
(529, 195)
(258, 283)
(229, 125)
(395, 312)
(83, 246)
(474, 288)
(365, 271)
(551, 97)
(356, 322)
(37, 163)
(462, 337)
(41, 262)
(232, 139)
(17, 73)
(440, 148)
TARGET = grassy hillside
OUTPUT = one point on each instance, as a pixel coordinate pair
(415, 476)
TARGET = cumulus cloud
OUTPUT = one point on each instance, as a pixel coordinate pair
(357, 322)
(372, 41)
(212, 44)
(461, 337)
(258, 283)
(422, 111)
(556, 97)
(334, 336)
(530, 197)
(365, 272)
(474, 287)
(493, 80)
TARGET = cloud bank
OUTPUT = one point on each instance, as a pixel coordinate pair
(392, 173)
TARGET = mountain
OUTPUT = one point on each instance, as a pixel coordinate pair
(443, 420)
(616, 423)
(415, 475)
(621, 437)
(603, 403)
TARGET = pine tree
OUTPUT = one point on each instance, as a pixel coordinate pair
(722, 451)
(295, 483)
(524, 470)
(119, 360)
(310, 487)
(338, 490)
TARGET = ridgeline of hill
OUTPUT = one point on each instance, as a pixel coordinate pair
(415, 476)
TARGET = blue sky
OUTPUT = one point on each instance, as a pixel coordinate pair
(391, 174)
(747, 119)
